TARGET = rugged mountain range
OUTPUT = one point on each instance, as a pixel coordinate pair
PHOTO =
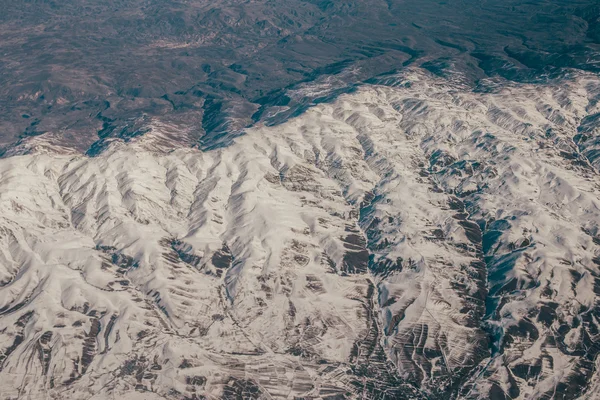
(418, 238)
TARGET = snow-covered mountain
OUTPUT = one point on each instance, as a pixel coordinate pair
(413, 240)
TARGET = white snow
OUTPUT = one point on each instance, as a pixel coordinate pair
(87, 241)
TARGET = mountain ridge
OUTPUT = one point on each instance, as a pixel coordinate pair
(415, 240)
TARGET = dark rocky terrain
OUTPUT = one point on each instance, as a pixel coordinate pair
(83, 72)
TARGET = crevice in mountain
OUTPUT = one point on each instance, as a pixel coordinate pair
(109, 327)
(222, 260)
(374, 376)
(356, 257)
(180, 251)
(44, 351)
(478, 272)
(18, 338)
(491, 273)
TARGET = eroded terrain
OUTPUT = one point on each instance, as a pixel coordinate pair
(418, 240)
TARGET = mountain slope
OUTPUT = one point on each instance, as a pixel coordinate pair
(415, 240)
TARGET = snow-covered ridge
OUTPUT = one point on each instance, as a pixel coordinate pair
(415, 241)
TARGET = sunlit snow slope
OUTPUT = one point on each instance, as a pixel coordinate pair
(418, 240)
